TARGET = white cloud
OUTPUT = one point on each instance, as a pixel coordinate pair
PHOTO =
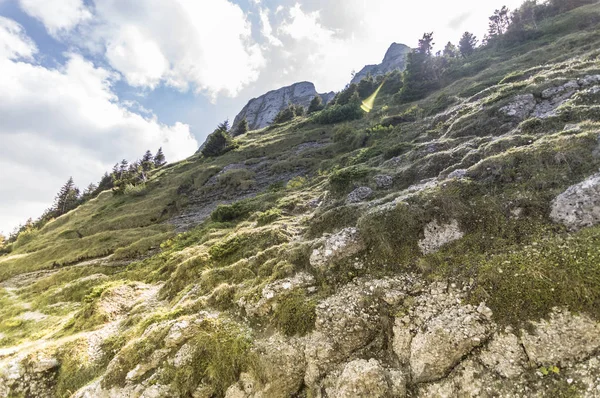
(57, 15)
(139, 58)
(67, 121)
(14, 43)
(267, 30)
(203, 45)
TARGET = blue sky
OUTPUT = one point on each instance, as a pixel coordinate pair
(86, 83)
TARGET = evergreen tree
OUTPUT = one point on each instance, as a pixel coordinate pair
(285, 115)
(316, 104)
(242, 127)
(343, 97)
(123, 167)
(467, 44)
(89, 192)
(224, 126)
(426, 44)
(159, 158)
(67, 198)
(218, 143)
(421, 74)
(147, 161)
(106, 182)
(299, 110)
(499, 23)
(366, 87)
(450, 51)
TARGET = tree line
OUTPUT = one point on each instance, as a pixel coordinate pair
(426, 71)
(69, 197)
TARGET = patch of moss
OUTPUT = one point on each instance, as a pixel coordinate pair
(526, 282)
(220, 351)
(295, 314)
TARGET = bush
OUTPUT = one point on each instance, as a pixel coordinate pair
(285, 115)
(227, 213)
(340, 113)
(341, 180)
(268, 217)
(135, 190)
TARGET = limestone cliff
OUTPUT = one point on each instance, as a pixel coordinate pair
(260, 112)
(395, 58)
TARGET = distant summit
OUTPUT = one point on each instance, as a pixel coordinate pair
(395, 58)
(260, 112)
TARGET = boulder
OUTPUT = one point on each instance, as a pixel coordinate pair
(363, 379)
(437, 235)
(359, 195)
(562, 339)
(336, 247)
(504, 355)
(579, 205)
(445, 340)
(520, 106)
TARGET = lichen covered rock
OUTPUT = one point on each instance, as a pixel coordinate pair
(437, 235)
(336, 247)
(579, 205)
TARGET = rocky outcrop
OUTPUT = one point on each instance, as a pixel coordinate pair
(527, 105)
(336, 247)
(260, 112)
(437, 235)
(579, 205)
(395, 58)
(579, 338)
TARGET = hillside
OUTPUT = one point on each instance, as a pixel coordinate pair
(445, 247)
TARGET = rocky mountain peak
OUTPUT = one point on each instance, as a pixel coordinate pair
(395, 58)
(260, 112)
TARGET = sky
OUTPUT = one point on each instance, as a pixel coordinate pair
(86, 83)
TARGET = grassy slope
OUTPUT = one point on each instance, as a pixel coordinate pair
(227, 260)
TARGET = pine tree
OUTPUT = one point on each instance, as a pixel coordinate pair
(426, 44)
(106, 182)
(467, 44)
(159, 158)
(218, 143)
(147, 161)
(450, 51)
(285, 115)
(299, 110)
(499, 23)
(123, 167)
(316, 104)
(242, 127)
(224, 126)
(67, 198)
(89, 192)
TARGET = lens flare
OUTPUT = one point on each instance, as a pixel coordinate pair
(367, 105)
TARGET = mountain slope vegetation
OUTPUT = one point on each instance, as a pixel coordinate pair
(425, 248)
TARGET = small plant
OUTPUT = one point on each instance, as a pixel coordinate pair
(268, 217)
(135, 190)
(295, 314)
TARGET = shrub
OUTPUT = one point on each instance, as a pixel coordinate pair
(268, 216)
(342, 179)
(227, 213)
(135, 190)
(316, 104)
(340, 113)
(285, 115)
